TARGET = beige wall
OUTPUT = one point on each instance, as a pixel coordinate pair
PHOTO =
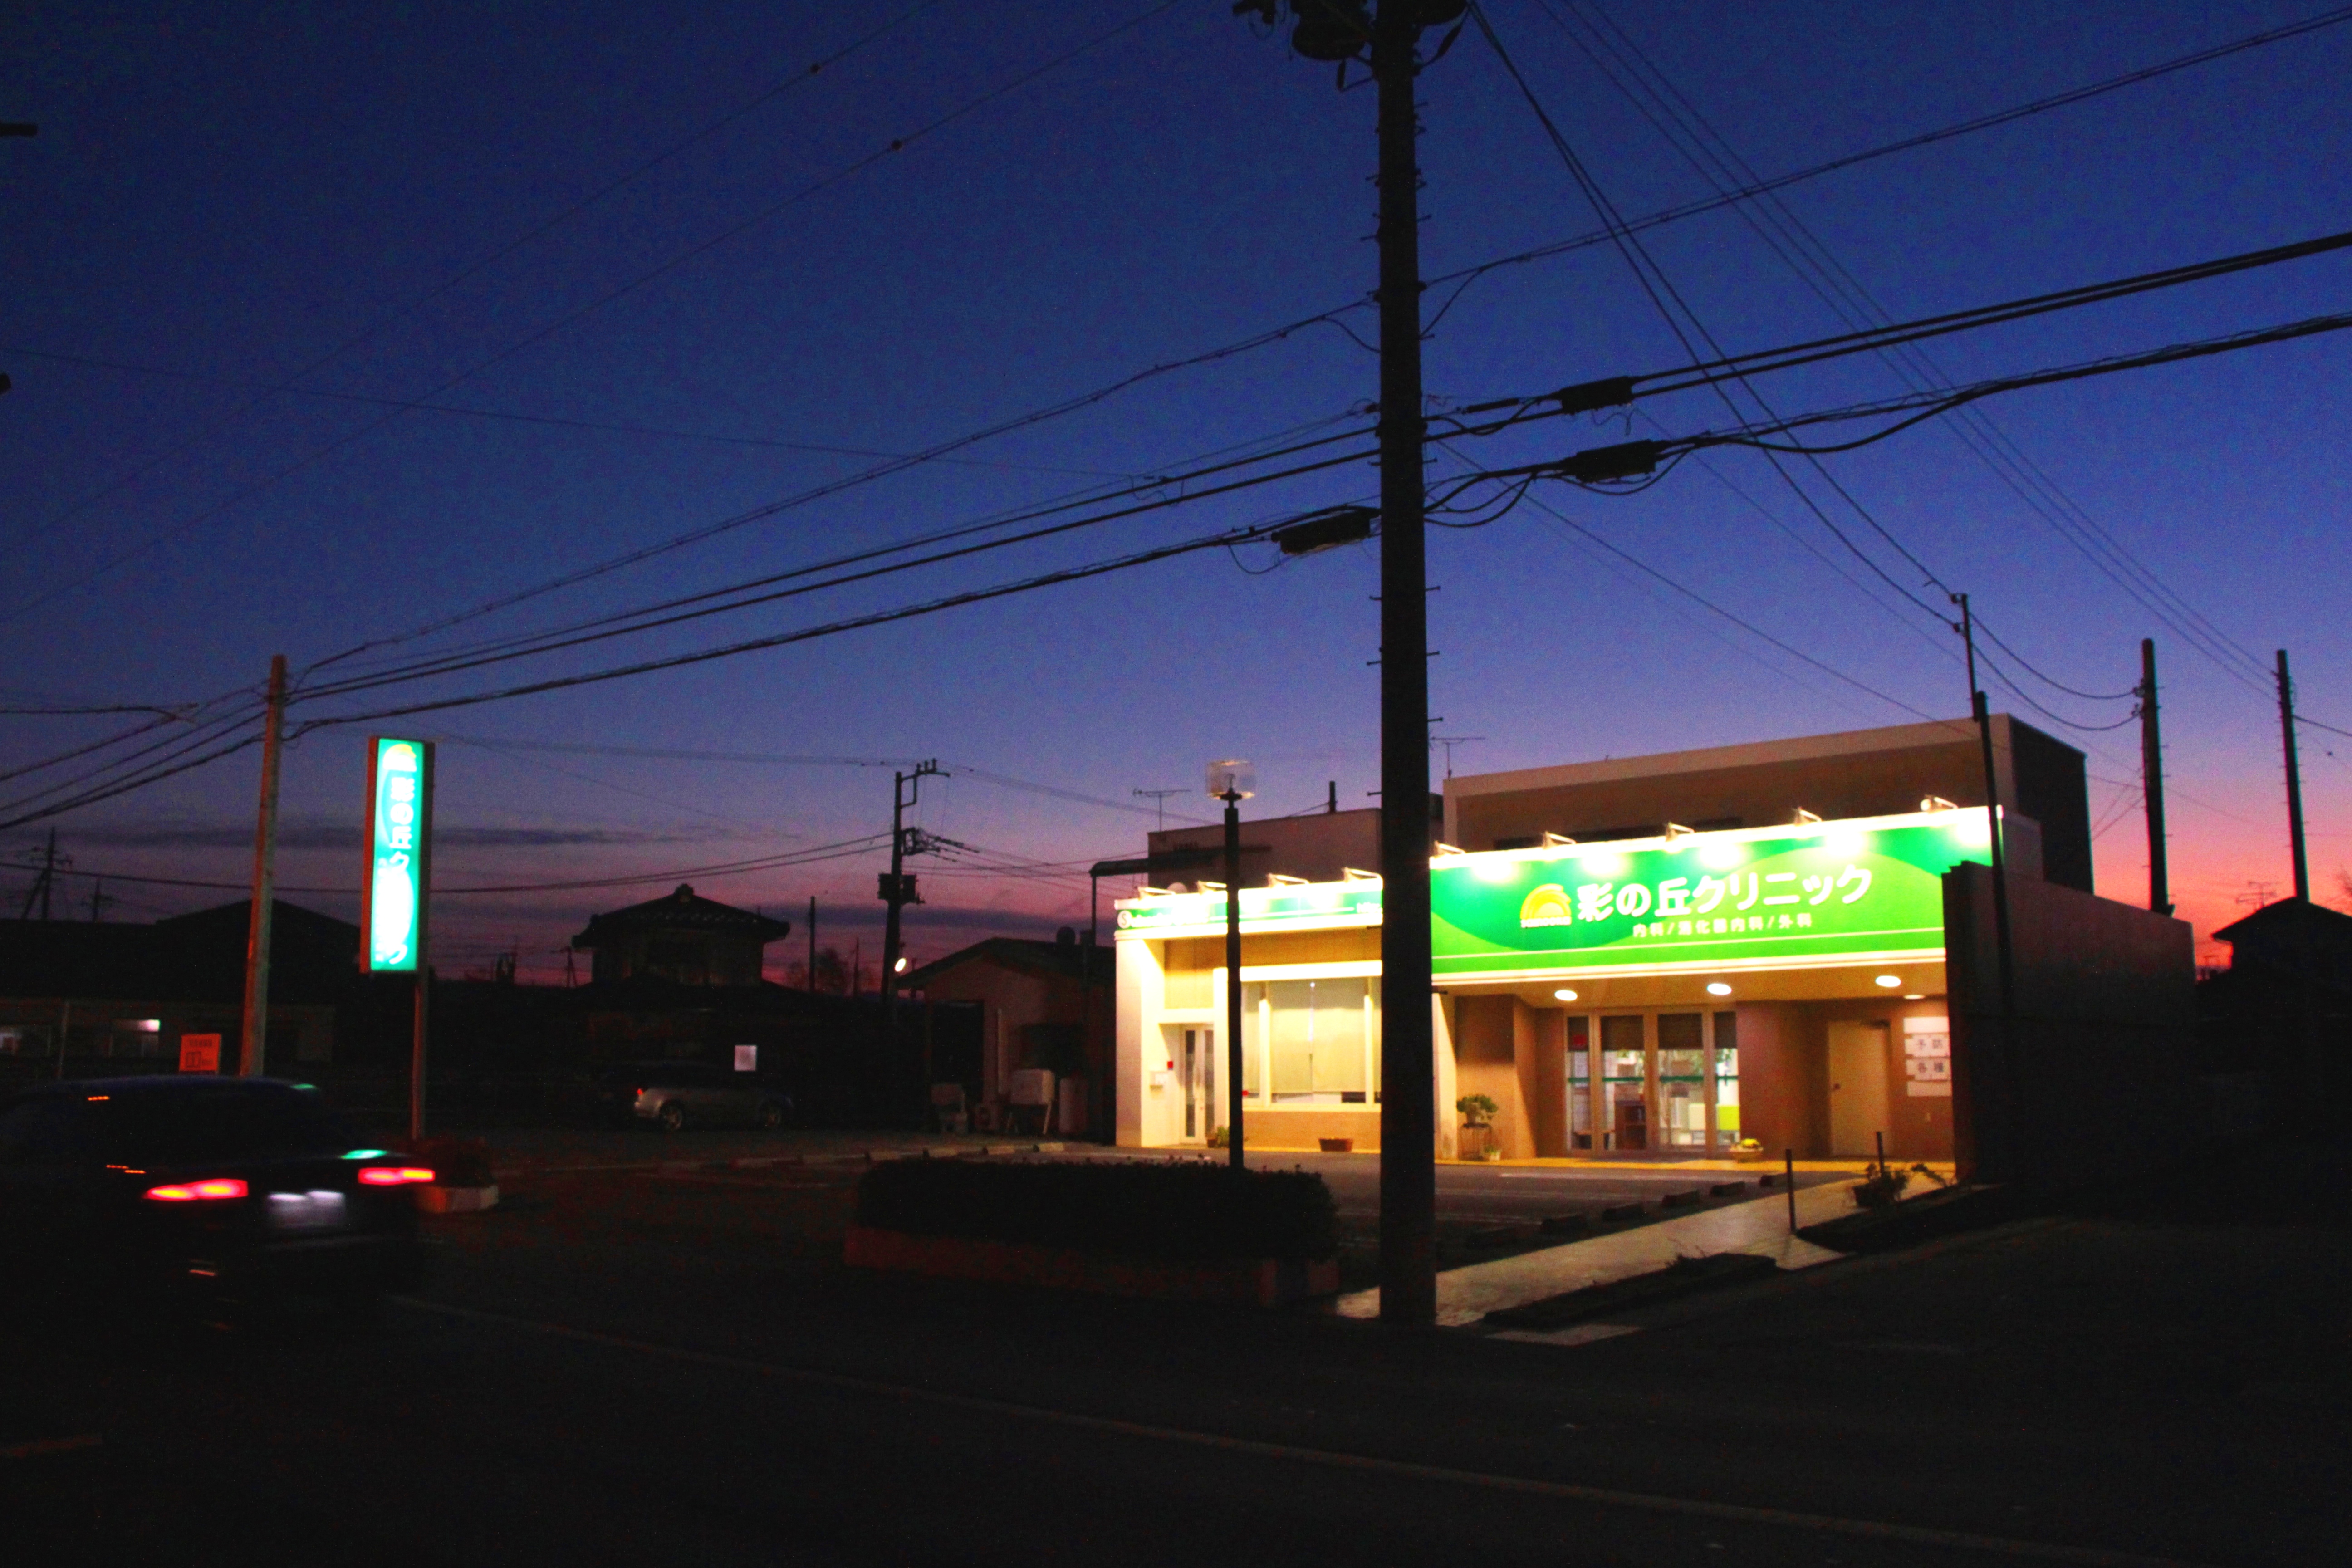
(1784, 1081)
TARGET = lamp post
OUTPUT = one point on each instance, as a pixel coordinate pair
(1233, 780)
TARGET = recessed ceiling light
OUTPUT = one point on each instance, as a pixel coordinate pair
(1718, 988)
(1564, 994)
(1915, 996)
(1890, 981)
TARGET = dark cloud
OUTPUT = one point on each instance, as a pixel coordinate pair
(343, 836)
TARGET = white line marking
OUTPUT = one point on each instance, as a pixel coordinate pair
(2098, 1557)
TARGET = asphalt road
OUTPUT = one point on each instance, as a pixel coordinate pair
(659, 1366)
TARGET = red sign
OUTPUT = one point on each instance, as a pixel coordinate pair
(200, 1053)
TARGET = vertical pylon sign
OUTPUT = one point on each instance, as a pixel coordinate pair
(400, 839)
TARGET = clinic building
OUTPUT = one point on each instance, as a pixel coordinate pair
(1791, 944)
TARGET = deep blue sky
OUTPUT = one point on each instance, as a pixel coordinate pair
(233, 193)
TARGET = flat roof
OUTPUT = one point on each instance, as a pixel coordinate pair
(1711, 759)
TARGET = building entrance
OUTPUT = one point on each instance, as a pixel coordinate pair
(1653, 1082)
(1196, 1071)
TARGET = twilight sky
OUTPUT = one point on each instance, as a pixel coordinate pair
(328, 323)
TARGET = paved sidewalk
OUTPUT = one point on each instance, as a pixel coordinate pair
(1465, 1295)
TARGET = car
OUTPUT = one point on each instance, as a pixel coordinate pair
(180, 1190)
(675, 1096)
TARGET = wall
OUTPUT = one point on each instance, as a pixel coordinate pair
(1488, 1032)
(1318, 846)
(2098, 1080)
(1014, 1003)
(1865, 772)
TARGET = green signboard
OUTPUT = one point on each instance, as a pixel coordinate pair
(1739, 899)
(1263, 909)
(400, 827)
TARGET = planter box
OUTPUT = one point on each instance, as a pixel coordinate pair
(1336, 1145)
(1266, 1281)
(455, 1200)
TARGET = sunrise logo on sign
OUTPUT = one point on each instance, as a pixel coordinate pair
(1547, 906)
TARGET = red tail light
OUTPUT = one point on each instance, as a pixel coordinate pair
(394, 1176)
(195, 1192)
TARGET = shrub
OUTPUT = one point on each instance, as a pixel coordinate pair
(1131, 1208)
(1477, 1109)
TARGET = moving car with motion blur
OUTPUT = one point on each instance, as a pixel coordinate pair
(195, 1190)
(674, 1096)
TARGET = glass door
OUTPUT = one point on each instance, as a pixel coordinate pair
(1580, 1083)
(1681, 1081)
(1725, 1048)
(1624, 1083)
(1197, 1071)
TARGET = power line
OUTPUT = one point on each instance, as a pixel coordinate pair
(1836, 287)
(675, 260)
(384, 318)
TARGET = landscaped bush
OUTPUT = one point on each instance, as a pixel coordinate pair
(1135, 1209)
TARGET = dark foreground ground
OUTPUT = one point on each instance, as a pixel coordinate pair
(670, 1366)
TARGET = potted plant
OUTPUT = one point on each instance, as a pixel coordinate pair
(1747, 1149)
(1478, 1115)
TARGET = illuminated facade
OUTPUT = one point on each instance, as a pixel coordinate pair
(1640, 992)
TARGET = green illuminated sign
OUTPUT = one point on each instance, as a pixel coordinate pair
(1715, 900)
(400, 822)
(1263, 909)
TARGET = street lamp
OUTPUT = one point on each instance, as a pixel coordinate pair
(1233, 780)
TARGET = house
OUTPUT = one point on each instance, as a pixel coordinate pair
(683, 937)
(1042, 1005)
(79, 997)
(2274, 1029)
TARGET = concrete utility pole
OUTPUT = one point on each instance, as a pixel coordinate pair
(2011, 1092)
(898, 888)
(2293, 780)
(2151, 780)
(265, 881)
(1342, 31)
(1235, 1089)
(45, 885)
(1409, 1055)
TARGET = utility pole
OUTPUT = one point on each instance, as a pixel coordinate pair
(2151, 780)
(812, 944)
(2011, 1094)
(1341, 31)
(265, 881)
(45, 885)
(898, 888)
(2293, 781)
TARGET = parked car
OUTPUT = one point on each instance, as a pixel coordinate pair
(185, 1189)
(675, 1096)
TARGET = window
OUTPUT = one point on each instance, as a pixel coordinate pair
(1313, 1042)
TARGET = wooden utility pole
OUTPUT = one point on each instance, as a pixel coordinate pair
(2151, 780)
(812, 945)
(2293, 780)
(265, 881)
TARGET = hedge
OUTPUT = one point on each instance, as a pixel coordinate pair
(1130, 1208)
